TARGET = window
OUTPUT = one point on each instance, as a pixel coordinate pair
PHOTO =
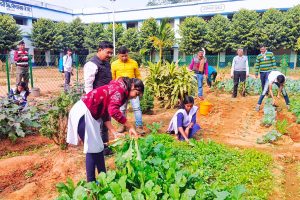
(20, 21)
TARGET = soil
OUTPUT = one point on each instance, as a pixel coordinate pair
(30, 168)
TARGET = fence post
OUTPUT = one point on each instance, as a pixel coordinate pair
(77, 67)
(30, 70)
(7, 73)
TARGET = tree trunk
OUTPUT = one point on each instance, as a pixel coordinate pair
(160, 53)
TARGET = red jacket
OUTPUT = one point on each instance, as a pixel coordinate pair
(106, 101)
(21, 57)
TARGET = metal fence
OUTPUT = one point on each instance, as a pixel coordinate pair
(46, 75)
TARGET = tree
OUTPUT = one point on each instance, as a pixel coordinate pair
(193, 32)
(217, 33)
(108, 32)
(62, 37)
(244, 29)
(292, 22)
(131, 39)
(272, 30)
(76, 29)
(93, 35)
(10, 33)
(148, 29)
(43, 34)
(164, 38)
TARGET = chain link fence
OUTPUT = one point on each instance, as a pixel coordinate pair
(47, 77)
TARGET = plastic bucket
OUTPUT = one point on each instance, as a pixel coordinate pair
(205, 107)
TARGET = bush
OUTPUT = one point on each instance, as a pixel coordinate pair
(147, 101)
(16, 121)
(170, 83)
(54, 121)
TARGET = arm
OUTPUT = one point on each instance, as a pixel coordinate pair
(113, 71)
(180, 126)
(206, 68)
(16, 56)
(89, 71)
(192, 64)
(257, 66)
(137, 71)
(247, 68)
(232, 68)
(273, 61)
(279, 91)
(271, 92)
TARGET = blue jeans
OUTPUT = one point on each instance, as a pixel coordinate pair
(264, 79)
(135, 103)
(200, 84)
(266, 89)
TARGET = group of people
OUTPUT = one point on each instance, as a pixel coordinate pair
(265, 66)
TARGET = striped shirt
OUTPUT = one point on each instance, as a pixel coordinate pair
(265, 62)
(21, 58)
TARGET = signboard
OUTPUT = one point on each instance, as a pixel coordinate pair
(212, 8)
(15, 8)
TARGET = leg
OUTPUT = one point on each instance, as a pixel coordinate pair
(236, 79)
(67, 81)
(200, 85)
(263, 79)
(285, 96)
(262, 96)
(243, 81)
(100, 162)
(26, 75)
(208, 80)
(18, 75)
(135, 103)
(194, 130)
(214, 76)
(90, 167)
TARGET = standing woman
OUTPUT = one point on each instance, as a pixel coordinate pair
(183, 123)
(88, 116)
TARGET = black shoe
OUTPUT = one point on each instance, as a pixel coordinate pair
(233, 96)
(107, 151)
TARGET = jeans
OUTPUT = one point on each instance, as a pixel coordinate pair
(264, 79)
(92, 160)
(238, 76)
(200, 84)
(67, 81)
(22, 72)
(135, 103)
(266, 89)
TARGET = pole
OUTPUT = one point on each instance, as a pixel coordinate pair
(114, 31)
(7, 74)
(30, 70)
(77, 66)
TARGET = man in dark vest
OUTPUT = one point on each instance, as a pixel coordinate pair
(97, 72)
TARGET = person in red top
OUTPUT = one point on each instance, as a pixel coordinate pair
(88, 116)
(21, 58)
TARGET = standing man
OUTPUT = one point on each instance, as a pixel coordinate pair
(127, 67)
(199, 65)
(97, 72)
(67, 63)
(21, 58)
(265, 63)
(239, 71)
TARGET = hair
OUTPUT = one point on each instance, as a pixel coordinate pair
(280, 79)
(21, 42)
(137, 84)
(24, 85)
(186, 100)
(240, 49)
(105, 45)
(123, 50)
(69, 49)
(262, 46)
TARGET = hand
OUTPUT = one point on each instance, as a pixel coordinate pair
(278, 95)
(274, 102)
(118, 135)
(133, 131)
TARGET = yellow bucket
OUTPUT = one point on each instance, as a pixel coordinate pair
(205, 107)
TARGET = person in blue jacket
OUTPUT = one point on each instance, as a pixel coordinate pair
(20, 94)
(211, 76)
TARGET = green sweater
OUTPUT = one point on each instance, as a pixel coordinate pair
(265, 63)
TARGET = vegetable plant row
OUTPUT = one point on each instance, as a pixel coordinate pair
(158, 167)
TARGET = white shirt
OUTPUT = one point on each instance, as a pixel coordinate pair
(90, 69)
(272, 78)
(67, 63)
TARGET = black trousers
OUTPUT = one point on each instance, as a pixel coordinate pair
(238, 76)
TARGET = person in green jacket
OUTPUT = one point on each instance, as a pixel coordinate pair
(265, 63)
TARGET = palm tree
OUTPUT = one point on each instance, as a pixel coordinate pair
(165, 37)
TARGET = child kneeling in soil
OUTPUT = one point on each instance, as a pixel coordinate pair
(20, 94)
(183, 123)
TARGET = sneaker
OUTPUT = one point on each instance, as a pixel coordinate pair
(288, 107)
(257, 108)
(121, 129)
(107, 151)
(140, 130)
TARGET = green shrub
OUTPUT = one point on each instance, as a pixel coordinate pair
(16, 121)
(147, 101)
(282, 126)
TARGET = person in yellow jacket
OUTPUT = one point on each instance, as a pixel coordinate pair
(127, 67)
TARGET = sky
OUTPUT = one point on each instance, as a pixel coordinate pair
(79, 4)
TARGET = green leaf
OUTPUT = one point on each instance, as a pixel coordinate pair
(80, 193)
(188, 194)
(221, 195)
(174, 191)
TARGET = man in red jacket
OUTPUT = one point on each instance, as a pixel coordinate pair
(21, 58)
